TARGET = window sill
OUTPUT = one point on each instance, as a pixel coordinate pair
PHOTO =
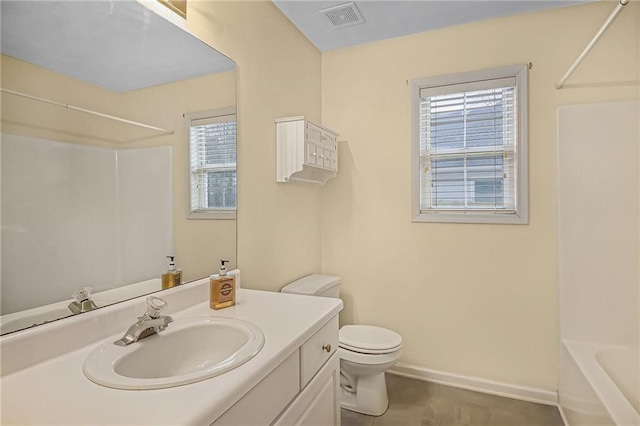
(472, 217)
(212, 215)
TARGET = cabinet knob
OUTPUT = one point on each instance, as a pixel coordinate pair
(327, 348)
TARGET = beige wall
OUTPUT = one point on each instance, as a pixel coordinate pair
(278, 75)
(198, 243)
(478, 300)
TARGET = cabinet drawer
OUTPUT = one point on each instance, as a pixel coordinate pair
(311, 153)
(334, 160)
(316, 156)
(317, 350)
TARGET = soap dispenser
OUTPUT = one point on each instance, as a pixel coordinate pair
(173, 276)
(223, 288)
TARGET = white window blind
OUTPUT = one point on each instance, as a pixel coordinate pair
(470, 143)
(212, 163)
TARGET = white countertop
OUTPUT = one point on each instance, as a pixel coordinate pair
(53, 390)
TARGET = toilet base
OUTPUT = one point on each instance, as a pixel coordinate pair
(370, 396)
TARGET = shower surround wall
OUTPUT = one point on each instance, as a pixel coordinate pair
(61, 202)
(598, 248)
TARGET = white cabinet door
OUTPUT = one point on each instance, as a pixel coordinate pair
(318, 403)
(264, 402)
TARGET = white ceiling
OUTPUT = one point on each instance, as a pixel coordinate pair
(394, 18)
(119, 45)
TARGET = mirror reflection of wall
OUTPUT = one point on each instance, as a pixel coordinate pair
(91, 201)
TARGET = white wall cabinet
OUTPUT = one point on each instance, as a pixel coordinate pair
(302, 390)
(306, 152)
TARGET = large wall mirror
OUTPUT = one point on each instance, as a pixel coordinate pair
(95, 181)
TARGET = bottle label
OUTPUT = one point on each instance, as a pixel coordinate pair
(226, 291)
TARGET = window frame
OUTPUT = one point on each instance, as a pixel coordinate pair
(521, 214)
(211, 213)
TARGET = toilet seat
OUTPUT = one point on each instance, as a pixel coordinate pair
(368, 359)
(368, 351)
(367, 339)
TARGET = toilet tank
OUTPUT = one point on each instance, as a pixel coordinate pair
(315, 285)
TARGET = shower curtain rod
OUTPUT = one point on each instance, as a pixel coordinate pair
(595, 39)
(88, 111)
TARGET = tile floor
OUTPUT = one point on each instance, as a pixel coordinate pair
(414, 402)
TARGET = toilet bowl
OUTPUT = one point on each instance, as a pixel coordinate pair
(365, 352)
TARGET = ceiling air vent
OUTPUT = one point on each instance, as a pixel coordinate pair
(343, 15)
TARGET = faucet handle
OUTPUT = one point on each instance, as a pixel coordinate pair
(155, 306)
(82, 294)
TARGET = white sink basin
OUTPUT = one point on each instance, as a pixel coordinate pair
(188, 351)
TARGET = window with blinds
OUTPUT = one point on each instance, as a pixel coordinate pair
(471, 147)
(212, 165)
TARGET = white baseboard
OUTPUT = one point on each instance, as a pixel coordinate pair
(524, 393)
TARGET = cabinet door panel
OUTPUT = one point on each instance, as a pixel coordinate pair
(320, 411)
(314, 133)
(328, 140)
(263, 403)
(318, 403)
(327, 158)
(312, 153)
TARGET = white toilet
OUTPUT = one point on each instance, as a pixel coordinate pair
(365, 352)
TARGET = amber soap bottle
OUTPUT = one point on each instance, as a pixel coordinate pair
(173, 277)
(222, 288)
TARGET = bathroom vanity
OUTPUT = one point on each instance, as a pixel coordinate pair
(294, 379)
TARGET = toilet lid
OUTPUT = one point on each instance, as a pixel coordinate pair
(367, 338)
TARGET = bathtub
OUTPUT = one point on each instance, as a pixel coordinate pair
(600, 384)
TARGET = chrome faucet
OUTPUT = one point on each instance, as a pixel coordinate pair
(83, 302)
(148, 324)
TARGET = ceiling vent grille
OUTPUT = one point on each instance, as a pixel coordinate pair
(343, 15)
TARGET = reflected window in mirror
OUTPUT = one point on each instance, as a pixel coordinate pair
(212, 164)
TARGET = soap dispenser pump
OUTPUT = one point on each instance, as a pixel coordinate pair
(222, 288)
(173, 276)
(223, 269)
